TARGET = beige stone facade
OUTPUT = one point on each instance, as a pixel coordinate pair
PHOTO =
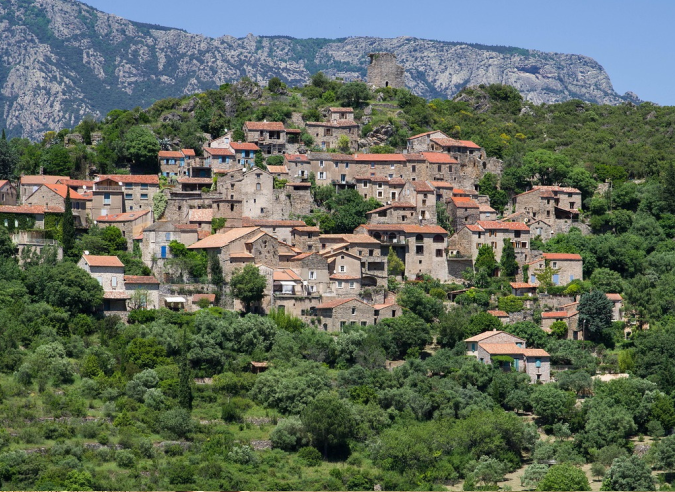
(558, 206)
(337, 314)
(270, 137)
(131, 224)
(138, 190)
(155, 243)
(566, 268)
(383, 71)
(470, 238)
(8, 193)
(54, 195)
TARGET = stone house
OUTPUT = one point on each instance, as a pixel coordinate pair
(502, 316)
(456, 147)
(281, 229)
(34, 214)
(344, 269)
(395, 213)
(487, 212)
(340, 114)
(470, 238)
(172, 163)
(156, 239)
(143, 291)
(570, 318)
(540, 228)
(109, 272)
(376, 187)
(423, 195)
(298, 166)
(130, 223)
(306, 238)
(421, 248)
(107, 198)
(389, 165)
(386, 310)
(270, 136)
(313, 270)
(567, 267)
(373, 260)
(422, 142)
(188, 184)
(201, 217)
(523, 289)
(536, 363)
(333, 168)
(279, 172)
(327, 133)
(8, 193)
(286, 283)
(138, 189)
(218, 158)
(617, 306)
(255, 189)
(550, 203)
(54, 195)
(439, 167)
(336, 314)
(463, 211)
(244, 153)
(30, 184)
(82, 186)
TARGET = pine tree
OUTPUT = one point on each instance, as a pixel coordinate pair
(508, 263)
(8, 158)
(68, 227)
(185, 378)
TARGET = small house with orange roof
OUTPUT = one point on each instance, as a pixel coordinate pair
(172, 163)
(422, 141)
(138, 189)
(568, 316)
(269, 136)
(109, 272)
(469, 239)
(29, 184)
(54, 195)
(143, 291)
(130, 224)
(617, 306)
(511, 353)
(566, 267)
(244, 153)
(456, 147)
(337, 314)
(298, 166)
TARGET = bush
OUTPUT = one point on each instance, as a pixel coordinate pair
(311, 456)
(125, 459)
(242, 455)
(289, 435)
(230, 413)
(176, 422)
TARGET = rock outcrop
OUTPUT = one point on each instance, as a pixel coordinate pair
(61, 60)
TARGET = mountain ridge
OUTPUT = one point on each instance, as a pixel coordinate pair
(62, 60)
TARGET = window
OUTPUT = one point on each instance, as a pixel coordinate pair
(312, 275)
(419, 250)
(144, 186)
(336, 164)
(114, 281)
(473, 347)
(342, 268)
(128, 186)
(414, 168)
(352, 284)
(320, 163)
(144, 196)
(99, 280)
(370, 252)
(363, 323)
(353, 311)
(555, 264)
(537, 363)
(106, 199)
(322, 175)
(312, 288)
(365, 184)
(380, 194)
(340, 284)
(379, 185)
(346, 165)
(439, 253)
(372, 165)
(391, 166)
(343, 324)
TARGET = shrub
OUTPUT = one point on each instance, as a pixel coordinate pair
(230, 412)
(125, 459)
(311, 456)
(289, 435)
(242, 455)
(176, 422)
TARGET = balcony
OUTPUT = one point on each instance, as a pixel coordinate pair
(107, 188)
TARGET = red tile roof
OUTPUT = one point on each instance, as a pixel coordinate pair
(307, 229)
(201, 234)
(557, 314)
(296, 158)
(522, 285)
(422, 187)
(441, 184)
(198, 297)
(214, 151)
(123, 217)
(333, 124)
(222, 239)
(204, 181)
(505, 226)
(408, 228)
(614, 297)
(286, 275)
(534, 352)
(278, 169)
(188, 152)
(30, 209)
(62, 190)
(171, 154)
(186, 227)
(341, 276)
(341, 110)
(76, 182)
(499, 314)
(244, 146)
(464, 202)
(549, 189)
(103, 261)
(502, 348)
(561, 256)
(451, 142)
(265, 125)
(425, 134)
(132, 178)
(140, 279)
(488, 334)
(302, 256)
(41, 179)
(439, 158)
(379, 157)
(249, 222)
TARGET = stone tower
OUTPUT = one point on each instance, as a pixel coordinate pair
(384, 72)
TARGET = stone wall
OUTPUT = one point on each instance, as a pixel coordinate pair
(384, 72)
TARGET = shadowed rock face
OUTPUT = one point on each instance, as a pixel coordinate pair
(61, 59)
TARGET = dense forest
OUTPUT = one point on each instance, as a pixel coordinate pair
(168, 401)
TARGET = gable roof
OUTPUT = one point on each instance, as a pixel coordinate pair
(464, 202)
(407, 228)
(451, 142)
(296, 158)
(339, 302)
(379, 157)
(30, 209)
(62, 190)
(216, 151)
(549, 189)
(198, 297)
(171, 154)
(123, 217)
(341, 110)
(277, 169)
(522, 285)
(265, 125)
(188, 152)
(103, 261)
(558, 314)
(249, 222)
(140, 279)
(439, 158)
(286, 275)
(223, 239)
(425, 134)
(614, 297)
(244, 146)
(131, 178)
(488, 334)
(40, 179)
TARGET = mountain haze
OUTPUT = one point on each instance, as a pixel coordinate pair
(62, 60)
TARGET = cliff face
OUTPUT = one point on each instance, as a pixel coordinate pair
(61, 60)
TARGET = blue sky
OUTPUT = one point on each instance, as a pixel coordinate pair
(631, 40)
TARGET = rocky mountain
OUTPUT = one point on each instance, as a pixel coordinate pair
(61, 60)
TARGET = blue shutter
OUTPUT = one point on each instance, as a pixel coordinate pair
(163, 253)
(571, 278)
(537, 363)
(533, 278)
(556, 279)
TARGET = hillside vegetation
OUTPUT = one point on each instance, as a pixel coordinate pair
(91, 403)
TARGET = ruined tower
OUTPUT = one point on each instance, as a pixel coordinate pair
(384, 72)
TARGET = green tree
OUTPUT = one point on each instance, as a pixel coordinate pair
(184, 377)
(407, 332)
(8, 158)
(68, 227)
(559, 329)
(508, 263)
(545, 276)
(275, 85)
(248, 285)
(7, 248)
(56, 160)
(353, 93)
(546, 167)
(66, 286)
(565, 477)
(418, 302)
(395, 266)
(141, 145)
(485, 260)
(595, 313)
(489, 185)
(607, 281)
(628, 473)
(483, 322)
(443, 217)
(260, 160)
(328, 420)
(664, 457)
(552, 404)
(216, 270)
